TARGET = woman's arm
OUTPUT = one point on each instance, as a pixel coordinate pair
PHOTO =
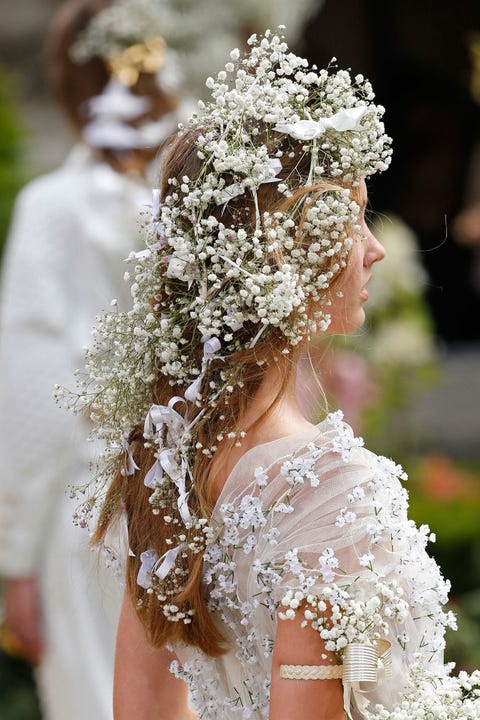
(144, 688)
(305, 699)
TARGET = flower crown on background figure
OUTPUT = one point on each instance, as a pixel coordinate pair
(212, 279)
(171, 40)
(127, 56)
(186, 26)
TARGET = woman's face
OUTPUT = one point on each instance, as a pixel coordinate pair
(349, 292)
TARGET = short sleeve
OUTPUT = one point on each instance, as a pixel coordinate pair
(339, 548)
(336, 523)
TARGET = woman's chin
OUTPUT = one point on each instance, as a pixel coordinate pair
(345, 326)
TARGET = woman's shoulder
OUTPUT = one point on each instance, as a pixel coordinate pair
(336, 439)
(327, 463)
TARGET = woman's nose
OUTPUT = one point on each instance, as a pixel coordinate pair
(375, 251)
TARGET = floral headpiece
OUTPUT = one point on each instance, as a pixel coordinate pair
(215, 281)
(132, 36)
(127, 54)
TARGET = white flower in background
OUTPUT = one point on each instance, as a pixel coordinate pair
(402, 341)
(401, 271)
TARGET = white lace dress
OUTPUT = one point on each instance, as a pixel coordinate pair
(318, 515)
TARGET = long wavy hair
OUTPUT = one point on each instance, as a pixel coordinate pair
(129, 495)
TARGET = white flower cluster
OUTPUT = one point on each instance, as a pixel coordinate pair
(431, 695)
(342, 618)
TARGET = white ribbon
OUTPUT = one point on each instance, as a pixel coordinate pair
(148, 559)
(110, 133)
(109, 114)
(131, 464)
(154, 476)
(167, 463)
(155, 203)
(210, 350)
(141, 254)
(151, 563)
(342, 121)
(117, 101)
(113, 134)
(167, 561)
(224, 196)
(160, 415)
(364, 663)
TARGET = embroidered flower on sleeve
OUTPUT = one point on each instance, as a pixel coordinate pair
(251, 513)
(298, 470)
(250, 543)
(260, 476)
(271, 536)
(357, 494)
(328, 563)
(345, 517)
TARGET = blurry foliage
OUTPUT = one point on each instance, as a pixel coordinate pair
(18, 700)
(445, 494)
(463, 646)
(11, 170)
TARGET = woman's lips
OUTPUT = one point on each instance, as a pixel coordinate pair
(364, 294)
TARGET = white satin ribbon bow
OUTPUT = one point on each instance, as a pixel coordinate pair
(157, 418)
(364, 663)
(167, 463)
(151, 563)
(117, 101)
(177, 473)
(343, 120)
(114, 134)
(231, 191)
(160, 415)
(131, 464)
(210, 350)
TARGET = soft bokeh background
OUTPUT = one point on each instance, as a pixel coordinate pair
(420, 392)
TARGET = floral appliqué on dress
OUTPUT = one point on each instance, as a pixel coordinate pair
(316, 525)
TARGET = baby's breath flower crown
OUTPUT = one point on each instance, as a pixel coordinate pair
(219, 274)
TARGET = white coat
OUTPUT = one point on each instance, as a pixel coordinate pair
(64, 263)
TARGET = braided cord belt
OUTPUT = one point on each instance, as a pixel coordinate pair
(311, 672)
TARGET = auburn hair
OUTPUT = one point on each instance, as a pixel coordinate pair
(129, 494)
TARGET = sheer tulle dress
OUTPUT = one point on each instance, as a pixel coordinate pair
(316, 524)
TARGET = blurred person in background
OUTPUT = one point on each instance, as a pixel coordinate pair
(70, 234)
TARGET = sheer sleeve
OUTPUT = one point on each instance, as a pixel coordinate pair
(341, 551)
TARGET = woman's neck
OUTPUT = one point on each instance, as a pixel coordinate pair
(268, 418)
